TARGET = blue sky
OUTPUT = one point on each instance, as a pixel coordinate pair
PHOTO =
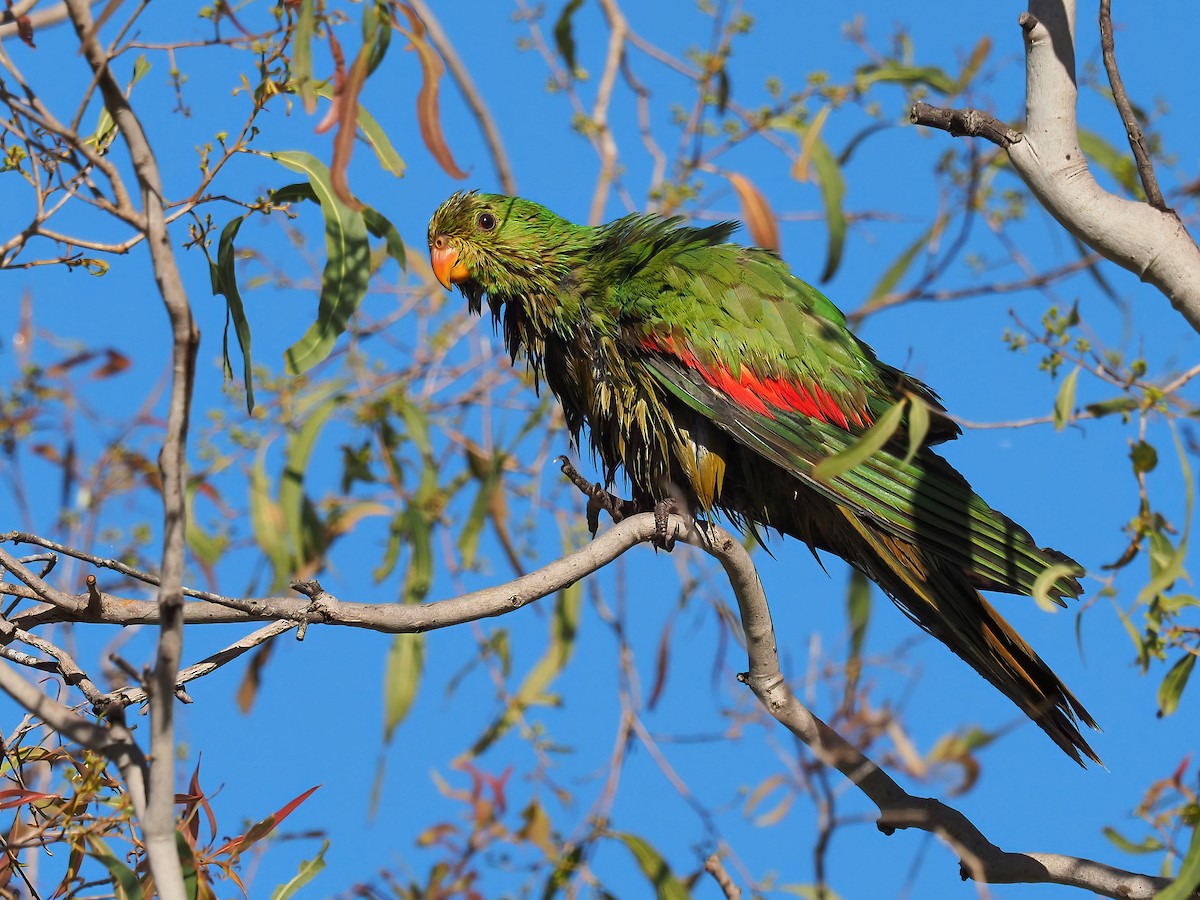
(318, 718)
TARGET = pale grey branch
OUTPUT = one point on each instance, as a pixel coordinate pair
(1152, 243)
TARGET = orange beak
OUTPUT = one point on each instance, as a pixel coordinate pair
(447, 268)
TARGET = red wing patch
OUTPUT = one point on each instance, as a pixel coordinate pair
(755, 393)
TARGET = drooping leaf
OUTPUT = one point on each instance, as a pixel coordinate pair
(401, 679)
(268, 523)
(861, 450)
(756, 212)
(654, 867)
(833, 191)
(1188, 877)
(858, 607)
(564, 38)
(428, 117)
(1045, 581)
(1174, 682)
(316, 413)
(918, 427)
(224, 283)
(344, 280)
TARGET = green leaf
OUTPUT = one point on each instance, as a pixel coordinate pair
(268, 523)
(892, 72)
(1173, 684)
(918, 427)
(1188, 878)
(564, 39)
(1043, 584)
(858, 604)
(1149, 845)
(374, 135)
(304, 545)
(401, 679)
(381, 227)
(309, 868)
(1064, 403)
(892, 275)
(532, 692)
(125, 882)
(1170, 569)
(1144, 457)
(224, 283)
(861, 450)
(1119, 164)
(654, 867)
(344, 281)
(833, 192)
(1122, 404)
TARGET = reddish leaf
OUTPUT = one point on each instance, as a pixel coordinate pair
(427, 99)
(114, 364)
(261, 829)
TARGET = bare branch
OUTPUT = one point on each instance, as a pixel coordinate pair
(159, 821)
(1152, 243)
(210, 664)
(714, 867)
(980, 858)
(965, 123)
(606, 144)
(1137, 140)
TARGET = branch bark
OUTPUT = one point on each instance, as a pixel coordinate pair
(159, 821)
(1152, 243)
(979, 858)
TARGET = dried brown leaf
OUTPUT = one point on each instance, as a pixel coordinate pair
(756, 212)
(427, 100)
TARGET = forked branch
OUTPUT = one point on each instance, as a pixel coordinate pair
(1148, 239)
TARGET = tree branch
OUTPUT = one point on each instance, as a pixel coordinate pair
(159, 821)
(1133, 131)
(1152, 243)
(980, 858)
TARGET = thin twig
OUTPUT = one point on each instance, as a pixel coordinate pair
(1133, 131)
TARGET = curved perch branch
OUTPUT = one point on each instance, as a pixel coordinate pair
(980, 858)
(1152, 243)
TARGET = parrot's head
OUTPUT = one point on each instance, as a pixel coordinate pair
(505, 247)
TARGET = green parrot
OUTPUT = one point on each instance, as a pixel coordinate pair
(715, 377)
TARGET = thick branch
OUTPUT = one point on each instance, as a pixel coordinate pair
(1152, 243)
(979, 857)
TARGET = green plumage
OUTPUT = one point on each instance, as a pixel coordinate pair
(708, 372)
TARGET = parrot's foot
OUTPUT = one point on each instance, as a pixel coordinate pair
(618, 508)
(663, 538)
(598, 498)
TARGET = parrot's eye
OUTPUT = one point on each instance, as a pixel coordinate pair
(486, 221)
